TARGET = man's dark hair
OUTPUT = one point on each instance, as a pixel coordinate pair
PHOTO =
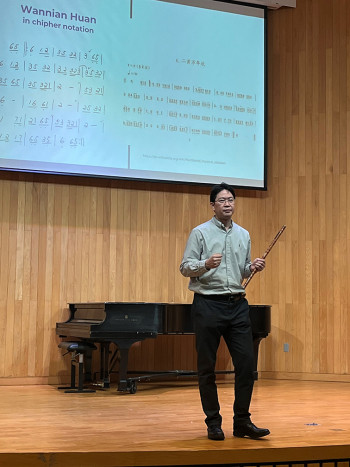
(217, 188)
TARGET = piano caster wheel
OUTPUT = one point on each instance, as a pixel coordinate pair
(132, 387)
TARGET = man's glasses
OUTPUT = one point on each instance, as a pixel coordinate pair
(225, 200)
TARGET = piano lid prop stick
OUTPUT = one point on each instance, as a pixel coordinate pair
(265, 254)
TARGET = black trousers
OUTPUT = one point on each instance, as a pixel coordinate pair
(213, 319)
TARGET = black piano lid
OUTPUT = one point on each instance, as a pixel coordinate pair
(159, 317)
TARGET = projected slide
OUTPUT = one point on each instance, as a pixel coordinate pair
(141, 89)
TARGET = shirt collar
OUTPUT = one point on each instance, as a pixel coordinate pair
(220, 224)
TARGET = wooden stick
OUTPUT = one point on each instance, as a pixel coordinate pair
(265, 254)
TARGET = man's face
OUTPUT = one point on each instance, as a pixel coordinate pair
(223, 206)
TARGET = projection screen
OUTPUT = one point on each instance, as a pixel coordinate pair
(135, 89)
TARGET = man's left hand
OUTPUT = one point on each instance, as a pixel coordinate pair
(257, 265)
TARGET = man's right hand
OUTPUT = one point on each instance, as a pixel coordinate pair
(214, 261)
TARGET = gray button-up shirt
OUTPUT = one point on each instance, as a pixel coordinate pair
(210, 238)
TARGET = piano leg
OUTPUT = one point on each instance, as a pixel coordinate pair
(123, 368)
(124, 383)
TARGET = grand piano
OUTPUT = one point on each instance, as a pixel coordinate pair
(124, 323)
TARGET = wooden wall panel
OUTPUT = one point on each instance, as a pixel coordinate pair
(69, 239)
(308, 119)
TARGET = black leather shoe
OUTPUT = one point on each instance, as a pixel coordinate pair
(215, 433)
(250, 430)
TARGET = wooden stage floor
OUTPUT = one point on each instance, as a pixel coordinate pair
(162, 424)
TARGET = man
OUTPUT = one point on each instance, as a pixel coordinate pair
(217, 259)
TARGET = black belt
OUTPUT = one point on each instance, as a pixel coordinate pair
(225, 297)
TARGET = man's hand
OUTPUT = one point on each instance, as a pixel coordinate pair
(214, 261)
(257, 265)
